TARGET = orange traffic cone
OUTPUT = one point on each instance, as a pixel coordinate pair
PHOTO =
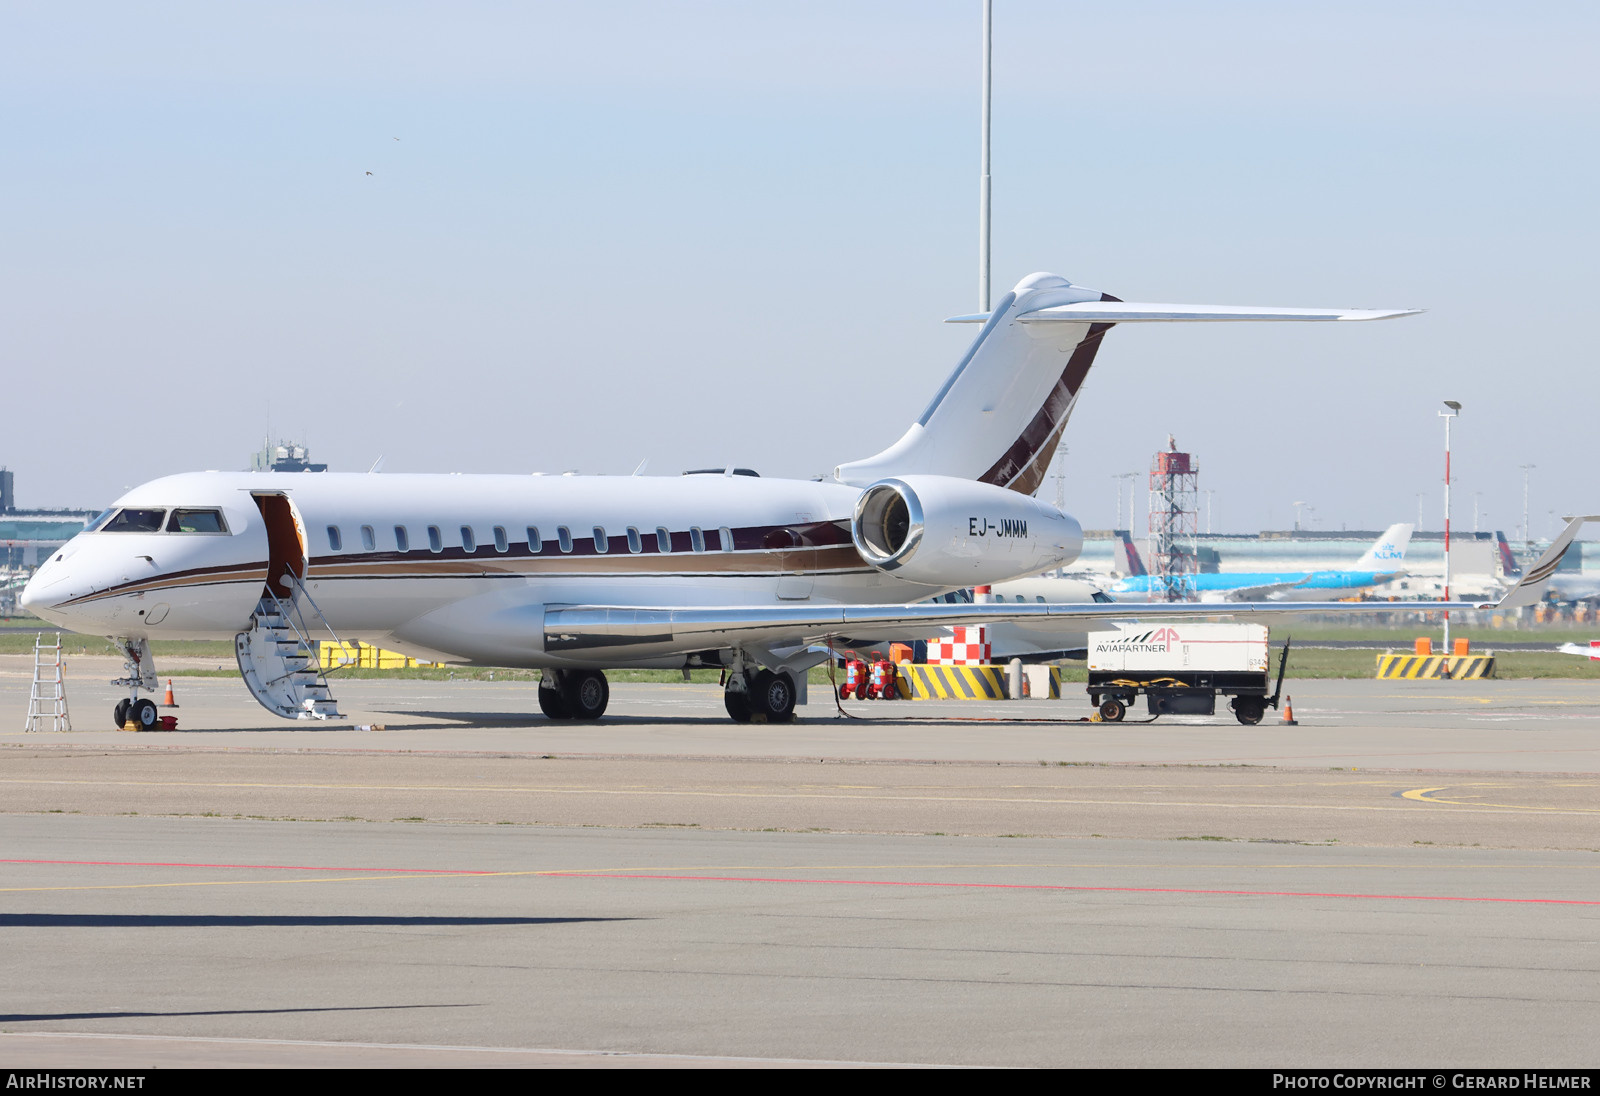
(1288, 719)
(170, 702)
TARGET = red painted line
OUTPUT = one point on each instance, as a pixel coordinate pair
(257, 867)
(1103, 890)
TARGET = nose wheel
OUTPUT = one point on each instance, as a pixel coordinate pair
(139, 676)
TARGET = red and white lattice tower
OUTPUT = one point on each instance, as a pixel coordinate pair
(1174, 523)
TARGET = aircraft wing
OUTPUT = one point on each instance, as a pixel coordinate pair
(635, 632)
(1531, 586)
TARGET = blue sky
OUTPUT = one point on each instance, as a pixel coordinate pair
(707, 233)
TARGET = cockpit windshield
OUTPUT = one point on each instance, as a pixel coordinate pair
(196, 521)
(132, 520)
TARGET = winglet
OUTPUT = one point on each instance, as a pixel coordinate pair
(1530, 588)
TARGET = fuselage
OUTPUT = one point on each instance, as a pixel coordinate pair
(1291, 585)
(455, 567)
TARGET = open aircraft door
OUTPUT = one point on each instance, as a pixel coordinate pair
(278, 656)
(286, 542)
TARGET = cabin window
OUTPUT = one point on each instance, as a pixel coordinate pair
(136, 521)
(697, 539)
(369, 539)
(501, 543)
(535, 544)
(635, 545)
(196, 521)
(602, 543)
(564, 538)
(727, 538)
(467, 540)
(435, 539)
(335, 541)
(402, 540)
(1039, 598)
(663, 540)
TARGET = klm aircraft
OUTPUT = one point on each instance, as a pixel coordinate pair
(1383, 561)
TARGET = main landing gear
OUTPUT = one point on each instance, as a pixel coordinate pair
(574, 694)
(140, 673)
(759, 697)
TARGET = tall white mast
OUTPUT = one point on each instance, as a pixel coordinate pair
(983, 178)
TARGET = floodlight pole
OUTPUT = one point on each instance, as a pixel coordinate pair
(983, 177)
(1527, 532)
(1454, 410)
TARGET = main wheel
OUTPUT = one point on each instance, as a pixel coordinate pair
(1112, 710)
(1248, 710)
(121, 712)
(772, 695)
(144, 714)
(553, 704)
(586, 694)
(738, 705)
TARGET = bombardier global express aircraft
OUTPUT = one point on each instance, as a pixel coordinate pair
(576, 575)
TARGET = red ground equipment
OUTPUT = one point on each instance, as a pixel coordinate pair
(881, 684)
(855, 680)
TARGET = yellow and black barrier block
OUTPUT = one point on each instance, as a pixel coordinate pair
(1467, 667)
(1417, 667)
(984, 682)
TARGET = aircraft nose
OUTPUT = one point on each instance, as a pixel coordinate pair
(43, 592)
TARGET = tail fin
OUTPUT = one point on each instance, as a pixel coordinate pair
(1508, 562)
(1125, 556)
(999, 416)
(1389, 552)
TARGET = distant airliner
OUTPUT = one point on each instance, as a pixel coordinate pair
(1382, 563)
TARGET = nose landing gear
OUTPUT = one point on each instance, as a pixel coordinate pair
(140, 675)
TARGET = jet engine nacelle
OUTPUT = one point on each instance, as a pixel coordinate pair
(954, 532)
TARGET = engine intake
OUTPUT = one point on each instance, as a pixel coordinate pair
(944, 531)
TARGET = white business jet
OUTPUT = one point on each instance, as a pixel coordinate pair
(576, 575)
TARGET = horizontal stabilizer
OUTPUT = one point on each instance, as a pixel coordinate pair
(1136, 312)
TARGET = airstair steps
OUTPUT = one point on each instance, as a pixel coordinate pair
(280, 667)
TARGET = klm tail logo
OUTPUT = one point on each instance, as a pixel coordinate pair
(1387, 550)
(1006, 527)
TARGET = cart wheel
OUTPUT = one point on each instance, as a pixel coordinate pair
(1248, 710)
(1112, 711)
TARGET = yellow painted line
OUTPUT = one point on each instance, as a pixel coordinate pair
(988, 799)
(1425, 795)
(557, 873)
